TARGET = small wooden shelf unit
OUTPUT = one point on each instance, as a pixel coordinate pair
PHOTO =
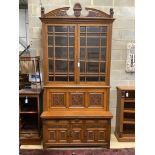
(29, 116)
(125, 121)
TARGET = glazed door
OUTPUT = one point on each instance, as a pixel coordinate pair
(77, 53)
(61, 53)
(92, 53)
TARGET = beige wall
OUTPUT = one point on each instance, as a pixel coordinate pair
(123, 32)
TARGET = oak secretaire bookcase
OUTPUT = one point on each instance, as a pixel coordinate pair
(77, 51)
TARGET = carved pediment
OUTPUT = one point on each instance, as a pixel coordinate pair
(62, 13)
(97, 13)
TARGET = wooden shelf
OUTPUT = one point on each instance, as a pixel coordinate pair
(128, 121)
(29, 112)
(129, 110)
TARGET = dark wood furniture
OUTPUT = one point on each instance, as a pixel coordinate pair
(77, 52)
(29, 116)
(125, 120)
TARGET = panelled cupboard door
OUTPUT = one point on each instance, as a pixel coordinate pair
(56, 131)
(77, 53)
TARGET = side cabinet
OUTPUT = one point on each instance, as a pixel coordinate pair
(84, 131)
(30, 103)
(125, 121)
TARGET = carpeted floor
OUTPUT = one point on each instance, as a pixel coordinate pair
(125, 151)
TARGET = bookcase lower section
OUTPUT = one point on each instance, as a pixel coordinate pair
(72, 132)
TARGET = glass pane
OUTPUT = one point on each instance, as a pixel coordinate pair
(82, 78)
(102, 67)
(71, 66)
(93, 29)
(71, 34)
(103, 41)
(50, 65)
(60, 41)
(51, 78)
(93, 34)
(92, 67)
(93, 41)
(71, 78)
(103, 54)
(102, 78)
(83, 29)
(83, 34)
(61, 52)
(50, 52)
(71, 28)
(50, 28)
(60, 66)
(82, 41)
(93, 53)
(61, 28)
(61, 78)
(82, 53)
(103, 28)
(50, 40)
(71, 53)
(92, 78)
(82, 67)
(103, 34)
(71, 41)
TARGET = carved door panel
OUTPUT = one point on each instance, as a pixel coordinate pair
(76, 136)
(89, 136)
(76, 133)
(62, 130)
(51, 136)
(77, 99)
(101, 136)
(57, 100)
(97, 99)
(49, 133)
(63, 135)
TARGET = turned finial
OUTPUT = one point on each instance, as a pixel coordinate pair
(111, 12)
(42, 11)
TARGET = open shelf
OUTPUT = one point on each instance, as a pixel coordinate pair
(125, 122)
(29, 113)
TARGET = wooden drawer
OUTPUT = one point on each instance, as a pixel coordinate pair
(76, 121)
